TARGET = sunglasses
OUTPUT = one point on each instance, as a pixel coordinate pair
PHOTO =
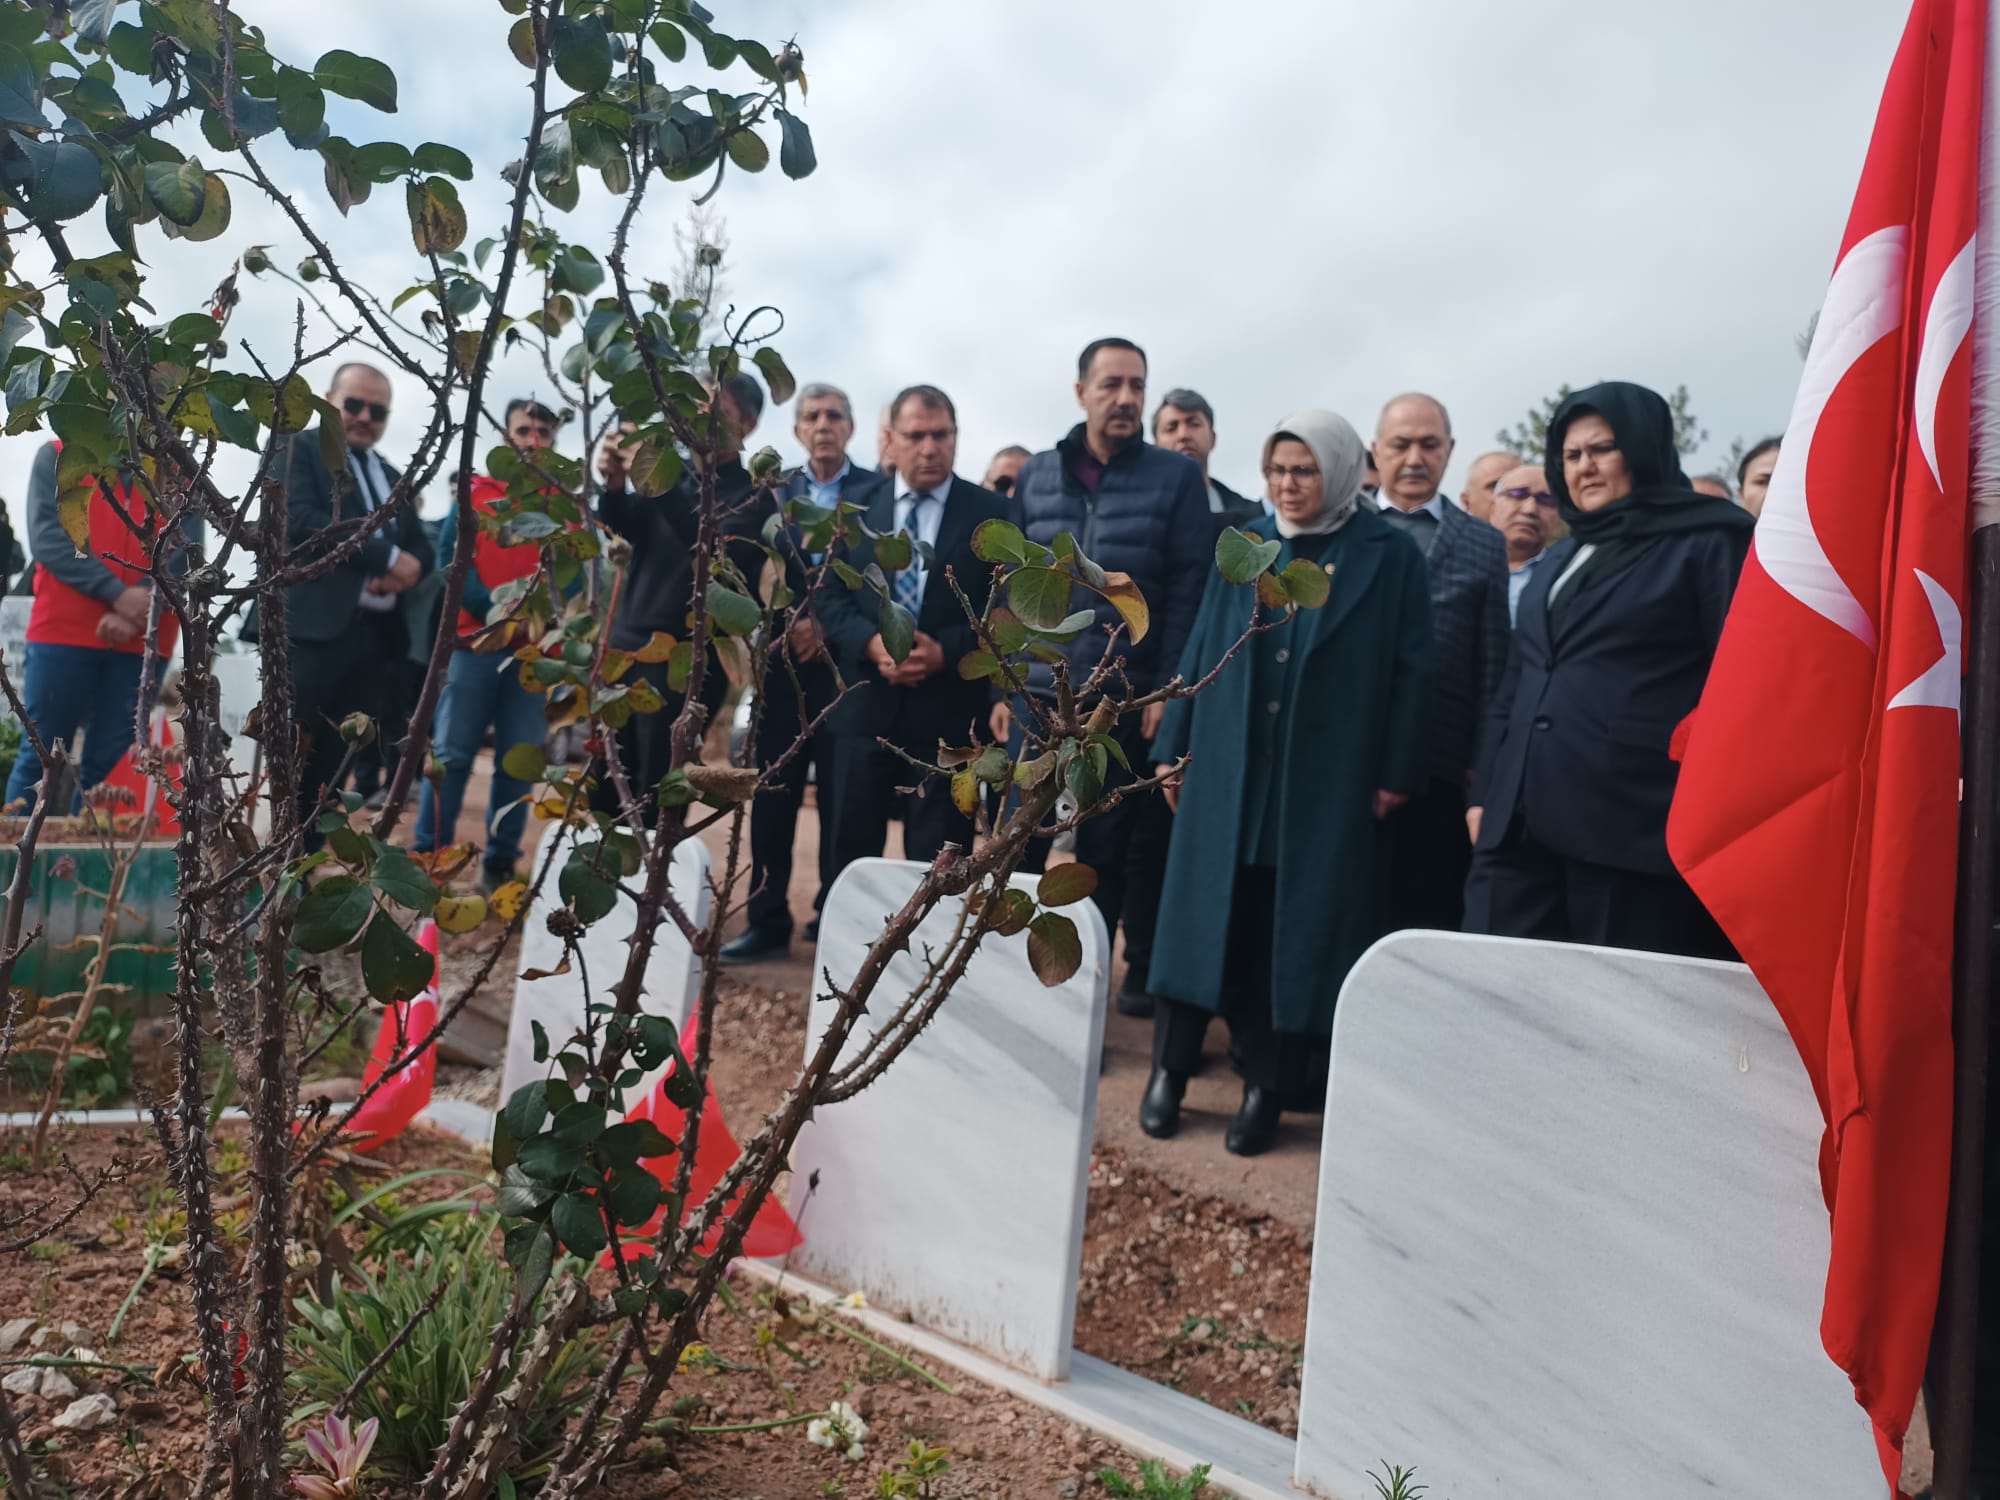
(1003, 484)
(1540, 497)
(354, 406)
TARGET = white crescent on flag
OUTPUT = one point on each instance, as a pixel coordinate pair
(1864, 305)
(1945, 328)
(1938, 686)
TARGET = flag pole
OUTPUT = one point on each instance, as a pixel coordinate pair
(1955, 1419)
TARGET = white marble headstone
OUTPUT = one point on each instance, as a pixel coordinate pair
(952, 1188)
(1570, 1238)
(673, 978)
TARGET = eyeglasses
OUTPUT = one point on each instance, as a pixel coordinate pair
(1302, 473)
(1521, 492)
(1599, 451)
(354, 406)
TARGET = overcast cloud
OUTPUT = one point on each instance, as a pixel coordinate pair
(1287, 204)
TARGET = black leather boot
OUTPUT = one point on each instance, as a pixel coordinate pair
(1256, 1124)
(1160, 1110)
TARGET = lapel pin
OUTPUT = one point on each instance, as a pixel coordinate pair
(1329, 567)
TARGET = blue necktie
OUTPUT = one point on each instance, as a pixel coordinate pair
(908, 588)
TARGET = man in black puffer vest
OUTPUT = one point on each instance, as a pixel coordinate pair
(1133, 509)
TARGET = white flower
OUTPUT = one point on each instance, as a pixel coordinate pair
(854, 1299)
(841, 1429)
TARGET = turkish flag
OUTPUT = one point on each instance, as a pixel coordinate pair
(772, 1232)
(389, 1110)
(1817, 811)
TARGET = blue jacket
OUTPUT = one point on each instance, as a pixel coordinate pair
(1150, 519)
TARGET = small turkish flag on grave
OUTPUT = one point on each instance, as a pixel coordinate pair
(772, 1232)
(388, 1112)
(140, 792)
(1817, 812)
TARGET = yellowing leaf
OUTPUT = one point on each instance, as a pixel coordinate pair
(658, 648)
(965, 790)
(1129, 602)
(456, 914)
(509, 899)
(73, 510)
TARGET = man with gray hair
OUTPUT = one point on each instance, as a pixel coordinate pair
(823, 422)
(1477, 496)
(1427, 852)
(1185, 422)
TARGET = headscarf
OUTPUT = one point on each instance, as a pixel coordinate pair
(1343, 460)
(1661, 502)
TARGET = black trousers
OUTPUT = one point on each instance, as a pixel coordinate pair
(1986, 1382)
(774, 826)
(1151, 833)
(332, 679)
(1426, 852)
(1523, 889)
(646, 741)
(1290, 1064)
(1105, 843)
(866, 778)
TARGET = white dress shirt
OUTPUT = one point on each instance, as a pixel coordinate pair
(372, 484)
(928, 518)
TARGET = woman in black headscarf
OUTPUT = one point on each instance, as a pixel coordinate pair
(1610, 651)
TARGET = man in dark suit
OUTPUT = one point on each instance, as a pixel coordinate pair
(824, 426)
(1185, 422)
(915, 703)
(346, 628)
(1428, 852)
(657, 589)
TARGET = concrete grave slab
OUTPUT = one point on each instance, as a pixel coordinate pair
(1570, 1236)
(673, 979)
(952, 1189)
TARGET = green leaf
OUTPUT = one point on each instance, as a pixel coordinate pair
(301, 107)
(525, 762)
(1241, 557)
(777, 375)
(999, 542)
(1084, 779)
(899, 629)
(1055, 951)
(64, 178)
(1065, 885)
(1039, 596)
(796, 157)
(578, 1224)
(355, 77)
(176, 189)
(578, 1124)
(1009, 634)
(527, 1111)
(587, 889)
(403, 881)
(748, 151)
(975, 665)
(893, 552)
(1307, 584)
(392, 965)
(582, 52)
(549, 1160)
(733, 613)
(635, 1140)
(433, 157)
(521, 41)
(214, 211)
(437, 222)
(331, 915)
(634, 1196)
(93, 19)
(575, 269)
(520, 1195)
(670, 39)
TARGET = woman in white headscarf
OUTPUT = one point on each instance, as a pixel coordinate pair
(1305, 739)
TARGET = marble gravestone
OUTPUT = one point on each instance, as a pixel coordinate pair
(952, 1189)
(673, 978)
(1570, 1237)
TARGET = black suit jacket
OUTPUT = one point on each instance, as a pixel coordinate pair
(321, 512)
(1576, 744)
(781, 724)
(1237, 510)
(944, 706)
(1470, 626)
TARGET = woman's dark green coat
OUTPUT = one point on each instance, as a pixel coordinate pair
(1351, 728)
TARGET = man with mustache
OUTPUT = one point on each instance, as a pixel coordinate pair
(1133, 508)
(1428, 854)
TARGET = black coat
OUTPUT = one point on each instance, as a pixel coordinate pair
(1149, 519)
(944, 706)
(1351, 729)
(1576, 744)
(658, 587)
(780, 724)
(322, 511)
(1237, 510)
(1470, 626)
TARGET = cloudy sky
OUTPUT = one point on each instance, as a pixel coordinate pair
(1288, 204)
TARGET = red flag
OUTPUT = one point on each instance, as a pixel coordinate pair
(390, 1109)
(1817, 812)
(772, 1232)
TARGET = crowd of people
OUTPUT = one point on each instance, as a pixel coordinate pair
(1473, 732)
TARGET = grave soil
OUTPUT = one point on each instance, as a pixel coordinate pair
(1184, 1287)
(998, 1446)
